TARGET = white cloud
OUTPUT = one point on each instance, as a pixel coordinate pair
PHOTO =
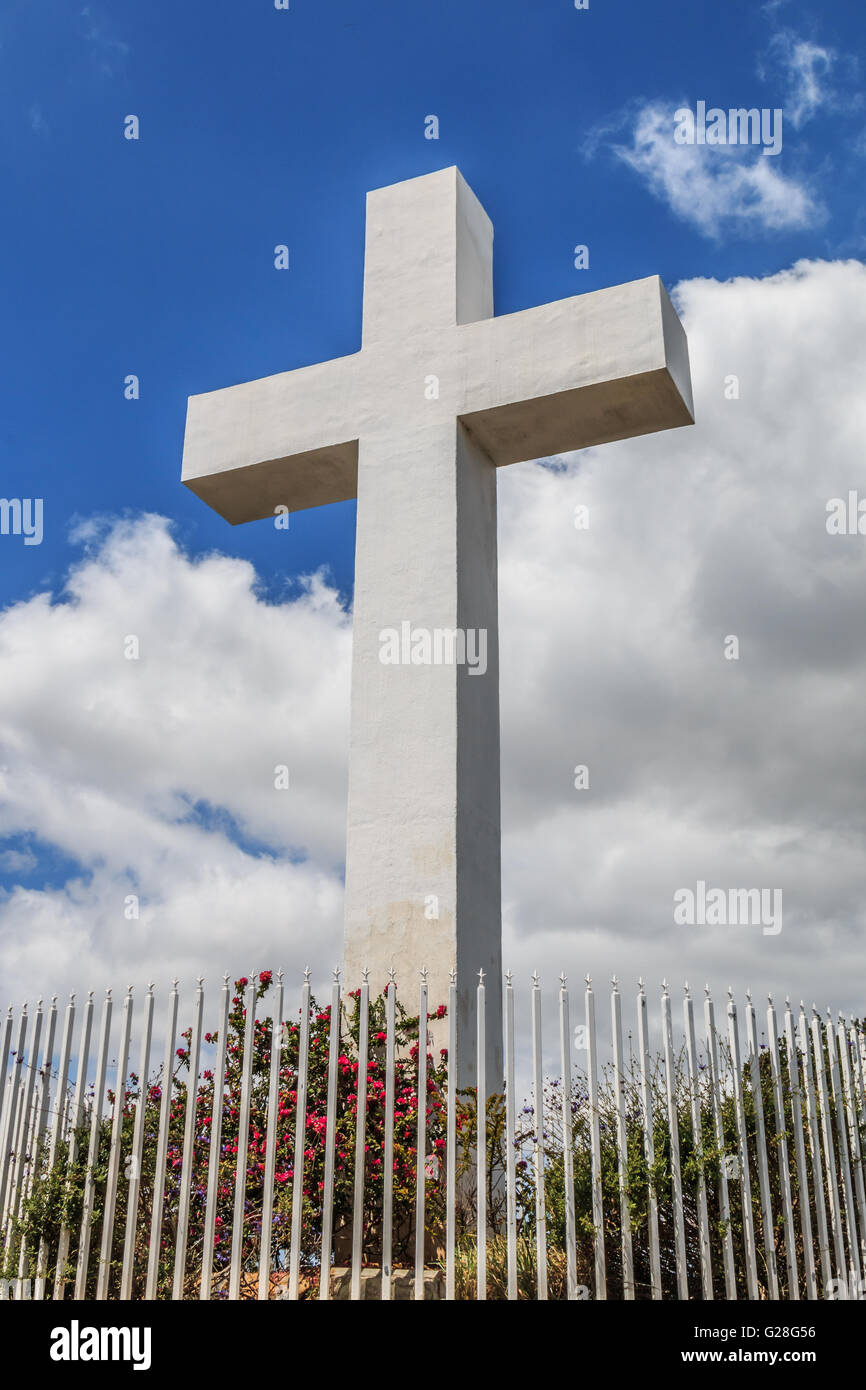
(805, 68)
(17, 861)
(744, 773)
(106, 760)
(715, 187)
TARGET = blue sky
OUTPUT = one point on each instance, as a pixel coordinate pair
(156, 257)
(260, 127)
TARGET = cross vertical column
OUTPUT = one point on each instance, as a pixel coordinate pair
(423, 849)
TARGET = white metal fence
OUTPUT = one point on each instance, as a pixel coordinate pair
(287, 1155)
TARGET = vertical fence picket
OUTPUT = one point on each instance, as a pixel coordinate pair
(360, 1137)
(595, 1145)
(713, 1064)
(567, 1153)
(510, 1141)
(854, 1144)
(188, 1155)
(388, 1175)
(18, 1141)
(110, 1200)
(674, 1137)
(829, 1147)
(451, 1142)
(815, 1150)
(133, 1191)
(797, 1102)
(480, 1142)
(25, 1103)
(538, 1149)
(621, 1143)
(698, 1141)
(56, 1130)
(647, 1113)
(781, 1146)
(77, 1116)
(271, 1127)
(858, 1052)
(421, 1140)
(768, 1229)
(240, 1201)
(44, 1087)
(166, 1085)
(330, 1141)
(93, 1151)
(41, 1107)
(743, 1150)
(10, 1112)
(844, 1161)
(215, 1152)
(24, 1148)
(11, 1092)
(5, 1046)
(299, 1153)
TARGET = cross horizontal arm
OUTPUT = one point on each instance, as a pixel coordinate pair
(602, 366)
(234, 453)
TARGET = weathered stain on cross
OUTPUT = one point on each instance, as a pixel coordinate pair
(415, 425)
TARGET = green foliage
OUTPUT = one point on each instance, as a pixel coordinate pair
(57, 1195)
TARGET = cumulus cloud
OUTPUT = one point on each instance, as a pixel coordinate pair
(743, 773)
(714, 187)
(805, 68)
(155, 777)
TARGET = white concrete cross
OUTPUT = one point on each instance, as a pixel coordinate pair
(414, 425)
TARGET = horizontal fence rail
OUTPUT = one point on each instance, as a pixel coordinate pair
(325, 1151)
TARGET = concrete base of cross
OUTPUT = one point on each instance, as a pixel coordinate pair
(402, 1284)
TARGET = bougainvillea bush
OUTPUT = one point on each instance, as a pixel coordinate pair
(57, 1196)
